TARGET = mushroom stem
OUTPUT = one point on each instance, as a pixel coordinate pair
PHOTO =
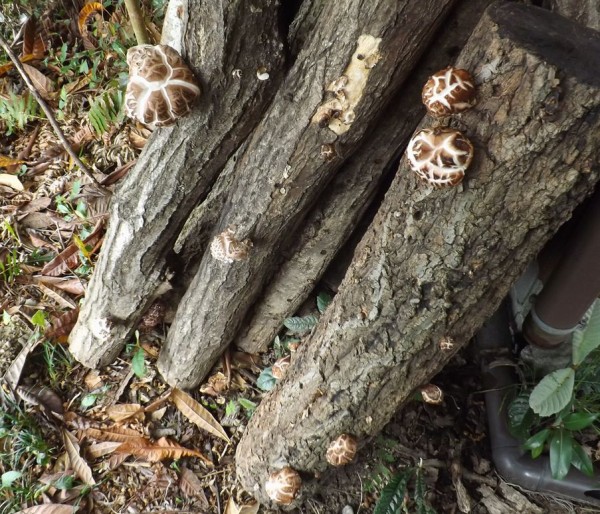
(137, 22)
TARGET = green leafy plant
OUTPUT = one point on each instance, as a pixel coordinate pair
(558, 397)
(398, 497)
(16, 111)
(138, 360)
(248, 406)
(59, 362)
(266, 381)
(106, 110)
(301, 325)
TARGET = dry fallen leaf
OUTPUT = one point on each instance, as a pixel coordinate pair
(116, 434)
(125, 411)
(43, 397)
(61, 326)
(97, 450)
(5, 161)
(69, 257)
(79, 465)
(11, 181)
(43, 84)
(13, 374)
(197, 414)
(234, 508)
(49, 508)
(191, 486)
(160, 450)
(59, 297)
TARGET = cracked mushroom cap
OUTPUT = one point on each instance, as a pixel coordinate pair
(449, 91)
(280, 367)
(283, 485)
(440, 156)
(226, 248)
(161, 87)
(342, 450)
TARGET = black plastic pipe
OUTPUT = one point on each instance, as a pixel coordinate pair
(493, 342)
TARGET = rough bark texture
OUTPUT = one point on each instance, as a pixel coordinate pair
(341, 207)
(586, 12)
(285, 166)
(178, 167)
(436, 263)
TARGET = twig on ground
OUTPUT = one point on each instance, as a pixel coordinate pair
(50, 115)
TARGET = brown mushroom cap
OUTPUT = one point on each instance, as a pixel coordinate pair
(161, 86)
(226, 248)
(432, 394)
(283, 485)
(440, 156)
(342, 450)
(449, 91)
(280, 367)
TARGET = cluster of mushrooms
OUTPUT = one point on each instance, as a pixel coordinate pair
(441, 155)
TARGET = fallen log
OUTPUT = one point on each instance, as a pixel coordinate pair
(586, 12)
(342, 77)
(178, 166)
(435, 263)
(340, 209)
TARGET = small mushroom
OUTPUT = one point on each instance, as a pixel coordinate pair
(432, 394)
(446, 344)
(226, 248)
(440, 156)
(161, 87)
(283, 485)
(449, 91)
(342, 450)
(280, 367)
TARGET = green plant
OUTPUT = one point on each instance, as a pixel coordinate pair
(10, 267)
(16, 111)
(106, 110)
(563, 403)
(398, 497)
(59, 362)
(138, 360)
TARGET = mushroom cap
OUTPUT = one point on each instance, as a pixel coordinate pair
(342, 450)
(432, 394)
(226, 248)
(440, 156)
(283, 485)
(161, 86)
(449, 91)
(280, 367)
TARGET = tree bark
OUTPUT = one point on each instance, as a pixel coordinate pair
(288, 161)
(178, 166)
(436, 263)
(340, 209)
(586, 12)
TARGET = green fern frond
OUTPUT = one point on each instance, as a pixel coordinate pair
(106, 110)
(421, 506)
(392, 497)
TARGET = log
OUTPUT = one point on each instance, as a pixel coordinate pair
(340, 209)
(291, 157)
(586, 12)
(435, 263)
(178, 166)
